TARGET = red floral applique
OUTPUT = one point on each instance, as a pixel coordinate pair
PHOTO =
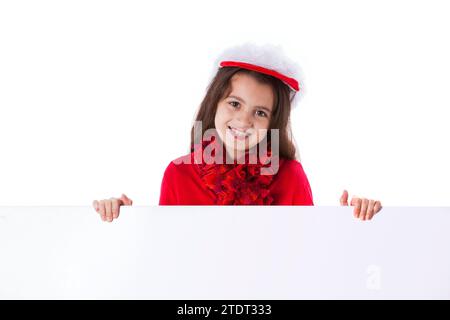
(237, 184)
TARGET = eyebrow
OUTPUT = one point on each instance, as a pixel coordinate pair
(242, 100)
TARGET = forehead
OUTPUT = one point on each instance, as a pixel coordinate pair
(251, 91)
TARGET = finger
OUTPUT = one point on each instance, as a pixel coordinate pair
(101, 207)
(370, 212)
(377, 207)
(115, 208)
(357, 203)
(95, 205)
(364, 205)
(344, 198)
(125, 200)
(108, 210)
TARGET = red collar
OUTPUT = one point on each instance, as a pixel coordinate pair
(236, 184)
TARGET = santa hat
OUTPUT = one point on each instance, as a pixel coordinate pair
(268, 59)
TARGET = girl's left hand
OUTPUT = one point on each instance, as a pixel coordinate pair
(365, 209)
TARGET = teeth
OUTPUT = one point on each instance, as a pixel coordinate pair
(238, 133)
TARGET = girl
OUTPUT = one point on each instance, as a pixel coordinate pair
(242, 152)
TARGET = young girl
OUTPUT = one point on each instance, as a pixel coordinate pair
(241, 146)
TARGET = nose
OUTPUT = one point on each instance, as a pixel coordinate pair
(244, 119)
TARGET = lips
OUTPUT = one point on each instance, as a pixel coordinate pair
(239, 132)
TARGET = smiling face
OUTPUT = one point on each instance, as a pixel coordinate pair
(244, 114)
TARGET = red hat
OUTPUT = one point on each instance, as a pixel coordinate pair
(267, 59)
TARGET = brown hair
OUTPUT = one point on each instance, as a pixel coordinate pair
(220, 87)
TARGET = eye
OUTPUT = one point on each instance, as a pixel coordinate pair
(261, 113)
(232, 104)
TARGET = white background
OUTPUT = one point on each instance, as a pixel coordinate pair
(96, 97)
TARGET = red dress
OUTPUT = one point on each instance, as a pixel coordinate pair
(188, 183)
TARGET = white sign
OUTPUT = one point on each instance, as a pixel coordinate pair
(224, 252)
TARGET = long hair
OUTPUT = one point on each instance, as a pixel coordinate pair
(220, 87)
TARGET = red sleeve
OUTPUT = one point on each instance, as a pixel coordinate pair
(302, 194)
(167, 196)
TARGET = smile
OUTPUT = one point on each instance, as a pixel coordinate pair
(238, 133)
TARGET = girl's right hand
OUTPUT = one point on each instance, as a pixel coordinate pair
(109, 208)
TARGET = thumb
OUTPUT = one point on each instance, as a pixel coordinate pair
(344, 198)
(125, 200)
(95, 205)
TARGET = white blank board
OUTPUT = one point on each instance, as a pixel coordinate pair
(224, 252)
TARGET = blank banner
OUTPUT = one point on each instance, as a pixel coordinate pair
(224, 252)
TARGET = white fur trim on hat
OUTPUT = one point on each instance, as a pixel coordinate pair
(267, 56)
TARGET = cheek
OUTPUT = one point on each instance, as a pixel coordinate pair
(262, 129)
(218, 121)
(263, 124)
(222, 116)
